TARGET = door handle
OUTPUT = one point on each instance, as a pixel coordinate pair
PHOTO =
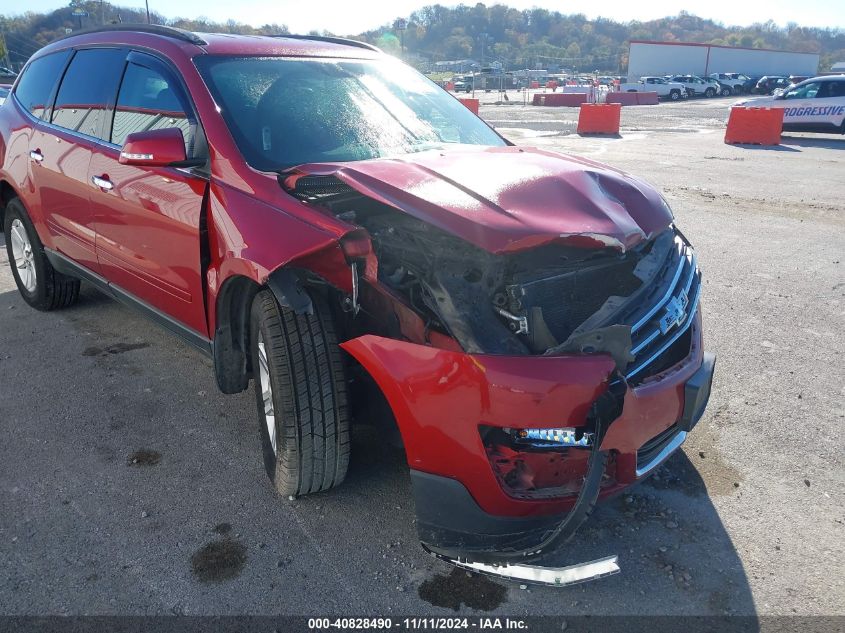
(103, 182)
(36, 155)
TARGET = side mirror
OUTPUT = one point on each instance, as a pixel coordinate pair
(156, 148)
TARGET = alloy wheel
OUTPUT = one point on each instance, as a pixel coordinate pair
(266, 392)
(23, 255)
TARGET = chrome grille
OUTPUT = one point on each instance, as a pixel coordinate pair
(656, 328)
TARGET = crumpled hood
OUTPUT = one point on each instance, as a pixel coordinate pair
(510, 198)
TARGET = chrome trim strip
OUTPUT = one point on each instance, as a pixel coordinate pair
(684, 259)
(663, 455)
(684, 328)
(548, 576)
(648, 340)
(656, 333)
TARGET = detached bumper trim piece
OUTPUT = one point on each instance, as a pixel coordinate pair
(664, 454)
(549, 576)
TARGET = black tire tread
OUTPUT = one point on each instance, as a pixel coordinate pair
(58, 290)
(309, 386)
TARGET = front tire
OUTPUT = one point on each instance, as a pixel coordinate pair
(710, 93)
(300, 389)
(40, 285)
(675, 95)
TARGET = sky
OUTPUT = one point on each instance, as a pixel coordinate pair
(349, 17)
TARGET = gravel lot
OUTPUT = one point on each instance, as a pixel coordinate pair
(130, 485)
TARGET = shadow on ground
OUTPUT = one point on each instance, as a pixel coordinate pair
(199, 530)
(807, 141)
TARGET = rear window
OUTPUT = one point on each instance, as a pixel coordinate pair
(36, 85)
(88, 88)
(284, 112)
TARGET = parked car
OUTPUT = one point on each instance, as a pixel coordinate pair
(697, 86)
(664, 89)
(769, 83)
(529, 320)
(750, 84)
(7, 75)
(814, 105)
(735, 81)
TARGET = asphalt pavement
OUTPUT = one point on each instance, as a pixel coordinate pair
(130, 485)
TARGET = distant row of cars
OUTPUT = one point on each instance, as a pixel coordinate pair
(676, 87)
(741, 84)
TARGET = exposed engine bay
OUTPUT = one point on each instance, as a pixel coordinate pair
(551, 299)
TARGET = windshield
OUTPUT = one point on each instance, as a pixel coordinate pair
(284, 111)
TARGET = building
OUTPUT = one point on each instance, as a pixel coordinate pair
(455, 65)
(670, 58)
(838, 67)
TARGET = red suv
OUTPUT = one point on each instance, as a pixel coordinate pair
(322, 220)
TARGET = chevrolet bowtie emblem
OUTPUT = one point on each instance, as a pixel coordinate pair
(674, 313)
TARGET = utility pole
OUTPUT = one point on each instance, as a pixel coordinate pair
(5, 50)
(401, 25)
(147, 3)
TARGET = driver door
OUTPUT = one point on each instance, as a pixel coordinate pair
(149, 219)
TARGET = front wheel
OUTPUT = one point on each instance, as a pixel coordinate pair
(710, 92)
(40, 285)
(300, 390)
(675, 95)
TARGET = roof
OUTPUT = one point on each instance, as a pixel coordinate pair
(227, 44)
(222, 43)
(738, 48)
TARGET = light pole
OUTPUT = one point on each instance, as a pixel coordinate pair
(147, 3)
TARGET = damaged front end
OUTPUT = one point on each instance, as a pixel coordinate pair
(525, 374)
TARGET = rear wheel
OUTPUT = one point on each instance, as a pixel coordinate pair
(726, 91)
(40, 285)
(300, 389)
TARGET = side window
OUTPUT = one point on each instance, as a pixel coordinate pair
(148, 101)
(87, 90)
(38, 80)
(831, 89)
(807, 91)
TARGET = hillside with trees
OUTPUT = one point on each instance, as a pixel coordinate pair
(519, 39)
(538, 37)
(26, 33)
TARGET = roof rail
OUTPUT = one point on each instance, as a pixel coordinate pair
(153, 29)
(334, 40)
